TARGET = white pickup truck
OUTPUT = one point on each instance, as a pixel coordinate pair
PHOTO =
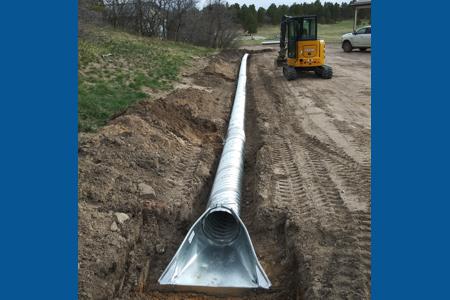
(359, 39)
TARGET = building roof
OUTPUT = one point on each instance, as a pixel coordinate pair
(360, 3)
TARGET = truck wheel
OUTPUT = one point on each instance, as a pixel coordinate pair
(289, 73)
(347, 46)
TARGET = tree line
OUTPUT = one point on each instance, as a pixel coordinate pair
(178, 20)
(251, 18)
(216, 25)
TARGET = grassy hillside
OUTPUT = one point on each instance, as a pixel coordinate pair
(117, 69)
(331, 33)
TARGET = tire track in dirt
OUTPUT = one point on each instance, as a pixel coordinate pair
(344, 270)
(290, 188)
(351, 177)
(320, 119)
(314, 182)
(185, 169)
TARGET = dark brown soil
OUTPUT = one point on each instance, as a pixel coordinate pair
(306, 187)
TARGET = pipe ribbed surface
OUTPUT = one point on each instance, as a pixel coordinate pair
(217, 251)
(226, 190)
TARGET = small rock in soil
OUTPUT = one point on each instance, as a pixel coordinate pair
(160, 249)
(146, 191)
(278, 171)
(121, 217)
(114, 227)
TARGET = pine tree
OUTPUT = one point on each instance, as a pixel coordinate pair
(252, 23)
(261, 16)
(273, 14)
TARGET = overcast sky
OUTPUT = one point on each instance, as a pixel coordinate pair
(266, 3)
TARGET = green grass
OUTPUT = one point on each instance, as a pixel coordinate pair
(331, 33)
(115, 67)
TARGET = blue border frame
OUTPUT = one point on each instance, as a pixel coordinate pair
(38, 218)
(410, 150)
(38, 159)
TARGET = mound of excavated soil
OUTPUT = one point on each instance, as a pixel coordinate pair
(143, 179)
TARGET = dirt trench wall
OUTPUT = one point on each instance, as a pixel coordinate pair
(145, 177)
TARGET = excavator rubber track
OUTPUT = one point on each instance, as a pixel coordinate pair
(290, 73)
(325, 72)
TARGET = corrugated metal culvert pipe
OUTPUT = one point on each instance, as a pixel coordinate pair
(217, 251)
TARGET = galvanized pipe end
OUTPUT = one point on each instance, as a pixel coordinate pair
(217, 253)
(220, 226)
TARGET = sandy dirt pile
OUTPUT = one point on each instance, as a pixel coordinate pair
(145, 178)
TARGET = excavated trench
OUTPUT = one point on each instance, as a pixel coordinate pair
(306, 212)
(268, 233)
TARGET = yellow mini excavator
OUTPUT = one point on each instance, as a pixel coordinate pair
(304, 51)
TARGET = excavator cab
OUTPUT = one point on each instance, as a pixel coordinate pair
(304, 51)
